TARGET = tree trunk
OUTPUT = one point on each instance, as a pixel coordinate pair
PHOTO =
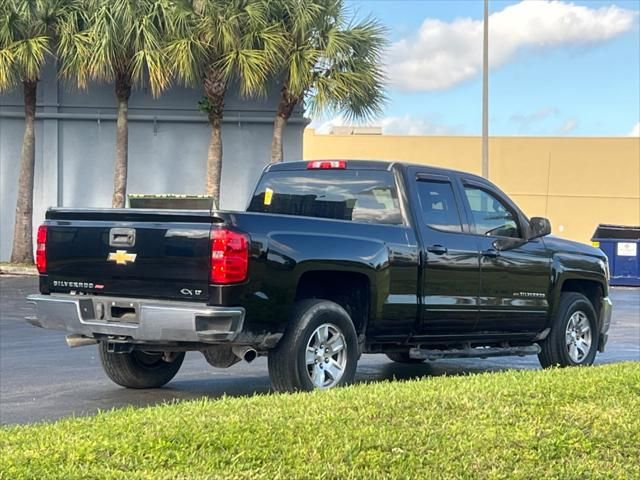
(214, 161)
(215, 87)
(277, 153)
(285, 108)
(123, 92)
(22, 251)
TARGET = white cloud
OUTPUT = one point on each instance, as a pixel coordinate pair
(324, 125)
(635, 131)
(568, 126)
(526, 120)
(443, 54)
(410, 125)
(402, 125)
(540, 122)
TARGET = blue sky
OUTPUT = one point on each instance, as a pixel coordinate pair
(557, 68)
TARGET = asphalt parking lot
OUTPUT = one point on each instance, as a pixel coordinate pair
(43, 379)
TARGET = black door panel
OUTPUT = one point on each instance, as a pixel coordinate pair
(450, 266)
(513, 282)
(450, 287)
(513, 290)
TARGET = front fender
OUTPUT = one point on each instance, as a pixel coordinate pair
(568, 266)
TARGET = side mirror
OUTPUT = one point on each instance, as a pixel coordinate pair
(539, 227)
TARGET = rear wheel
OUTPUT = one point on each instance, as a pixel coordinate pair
(403, 357)
(139, 369)
(318, 351)
(573, 339)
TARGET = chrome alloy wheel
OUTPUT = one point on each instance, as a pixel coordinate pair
(578, 336)
(326, 356)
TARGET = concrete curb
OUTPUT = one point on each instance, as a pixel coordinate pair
(18, 270)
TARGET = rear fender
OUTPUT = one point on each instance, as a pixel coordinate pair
(292, 255)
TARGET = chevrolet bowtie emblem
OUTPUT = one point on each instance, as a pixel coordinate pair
(122, 257)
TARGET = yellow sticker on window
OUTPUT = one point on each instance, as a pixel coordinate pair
(268, 195)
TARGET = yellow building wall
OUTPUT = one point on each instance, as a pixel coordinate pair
(576, 182)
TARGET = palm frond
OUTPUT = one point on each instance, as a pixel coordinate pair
(30, 54)
(239, 39)
(333, 62)
(27, 28)
(75, 47)
(8, 75)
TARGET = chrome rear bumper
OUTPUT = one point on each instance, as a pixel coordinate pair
(138, 319)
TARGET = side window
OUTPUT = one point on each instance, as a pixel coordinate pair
(438, 204)
(491, 216)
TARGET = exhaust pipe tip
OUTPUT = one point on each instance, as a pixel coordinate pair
(80, 341)
(248, 354)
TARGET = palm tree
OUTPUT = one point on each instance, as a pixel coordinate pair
(119, 41)
(214, 42)
(27, 28)
(329, 62)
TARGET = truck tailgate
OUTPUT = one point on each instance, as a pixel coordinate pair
(131, 253)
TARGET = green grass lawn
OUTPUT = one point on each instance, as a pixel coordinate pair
(572, 423)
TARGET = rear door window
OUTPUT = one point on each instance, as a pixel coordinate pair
(368, 196)
(438, 205)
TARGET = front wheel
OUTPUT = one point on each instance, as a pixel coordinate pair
(573, 340)
(138, 369)
(319, 350)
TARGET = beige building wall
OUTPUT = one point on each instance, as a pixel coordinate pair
(577, 183)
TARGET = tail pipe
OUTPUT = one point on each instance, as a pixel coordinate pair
(80, 341)
(247, 354)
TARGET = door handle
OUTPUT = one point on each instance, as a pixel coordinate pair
(437, 249)
(491, 253)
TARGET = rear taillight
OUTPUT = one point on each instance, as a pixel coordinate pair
(229, 256)
(327, 165)
(41, 249)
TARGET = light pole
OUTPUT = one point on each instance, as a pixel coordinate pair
(485, 93)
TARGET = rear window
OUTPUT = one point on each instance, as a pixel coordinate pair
(368, 196)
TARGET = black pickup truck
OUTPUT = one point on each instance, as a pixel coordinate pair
(332, 259)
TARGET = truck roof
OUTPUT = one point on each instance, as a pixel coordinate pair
(368, 165)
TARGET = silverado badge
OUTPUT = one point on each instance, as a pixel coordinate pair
(122, 257)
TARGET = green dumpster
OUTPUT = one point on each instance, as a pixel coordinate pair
(169, 201)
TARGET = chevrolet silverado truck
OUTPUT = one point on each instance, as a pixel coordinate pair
(330, 260)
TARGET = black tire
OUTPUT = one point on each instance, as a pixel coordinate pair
(139, 369)
(555, 350)
(288, 367)
(403, 357)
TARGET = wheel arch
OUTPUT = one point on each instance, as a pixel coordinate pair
(579, 274)
(351, 290)
(593, 290)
